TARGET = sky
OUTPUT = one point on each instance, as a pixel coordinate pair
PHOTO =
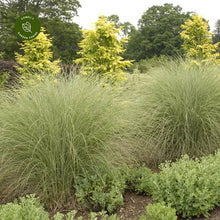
(132, 10)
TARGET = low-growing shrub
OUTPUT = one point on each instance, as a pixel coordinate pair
(69, 216)
(102, 216)
(159, 211)
(179, 111)
(93, 216)
(192, 187)
(27, 208)
(30, 208)
(139, 180)
(100, 193)
(53, 131)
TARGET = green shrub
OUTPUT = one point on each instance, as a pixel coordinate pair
(28, 208)
(159, 211)
(102, 216)
(139, 180)
(179, 111)
(192, 187)
(69, 216)
(93, 216)
(51, 132)
(100, 193)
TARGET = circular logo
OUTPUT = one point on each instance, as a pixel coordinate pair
(27, 27)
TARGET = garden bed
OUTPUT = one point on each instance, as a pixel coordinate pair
(134, 207)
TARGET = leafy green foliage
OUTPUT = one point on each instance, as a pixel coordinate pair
(69, 216)
(101, 49)
(103, 216)
(197, 40)
(66, 9)
(190, 186)
(179, 109)
(139, 180)
(52, 132)
(65, 39)
(8, 38)
(93, 216)
(28, 208)
(158, 33)
(159, 211)
(100, 193)
(126, 28)
(216, 36)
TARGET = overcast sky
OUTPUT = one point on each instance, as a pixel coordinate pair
(132, 10)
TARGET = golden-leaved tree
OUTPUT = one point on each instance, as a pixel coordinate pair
(37, 58)
(100, 52)
(198, 40)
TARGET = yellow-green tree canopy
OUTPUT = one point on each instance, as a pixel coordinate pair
(100, 51)
(198, 40)
(37, 57)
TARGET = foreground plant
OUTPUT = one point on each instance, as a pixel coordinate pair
(192, 187)
(139, 180)
(50, 133)
(159, 211)
(100, 193)
(30, 208)
(93, 216)
(27, 208)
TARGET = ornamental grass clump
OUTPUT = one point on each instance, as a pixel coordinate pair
(179, 112)
(53, 131)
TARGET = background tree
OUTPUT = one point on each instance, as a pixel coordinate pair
(198, 40)
(37, 57)
(65, 39)
(8, 40)
(216, 35)
(47, 10)
(63, 9)
(126, 27)
(101, 49)
(158, 33)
